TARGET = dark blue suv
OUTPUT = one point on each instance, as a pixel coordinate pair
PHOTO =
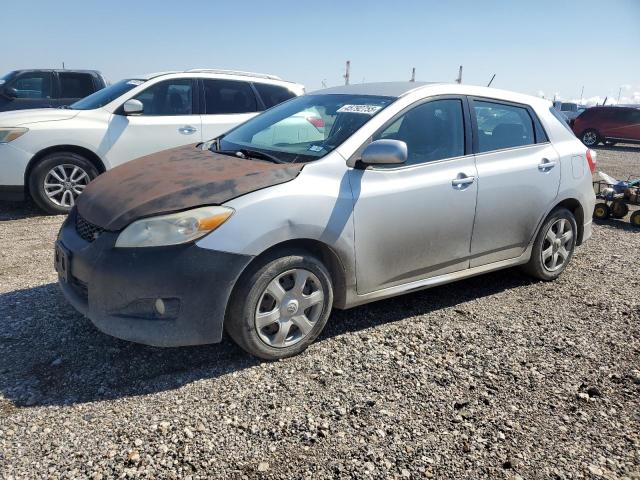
(23, 89)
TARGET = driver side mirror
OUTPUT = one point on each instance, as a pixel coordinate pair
(9, 92)
(385, 152)
(133, 107)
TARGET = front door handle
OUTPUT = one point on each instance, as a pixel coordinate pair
(462, 181)
(546, 165)
(187, 130)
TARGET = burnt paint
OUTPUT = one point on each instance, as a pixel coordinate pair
(173, 180)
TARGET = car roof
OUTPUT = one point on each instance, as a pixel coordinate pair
(383, 89)
(401, 89)
(241, 73)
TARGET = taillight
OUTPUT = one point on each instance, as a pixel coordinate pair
(591, 160)
(316, 122)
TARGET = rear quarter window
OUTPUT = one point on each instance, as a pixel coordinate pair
(561, 119)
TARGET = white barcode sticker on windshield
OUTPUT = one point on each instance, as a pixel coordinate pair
(366, 109)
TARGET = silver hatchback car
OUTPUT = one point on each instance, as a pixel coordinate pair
(396, 187)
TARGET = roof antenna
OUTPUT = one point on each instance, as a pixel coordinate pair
(491, 81)
(413, 74)
(63, 65)
(346, 73)
(459, 79)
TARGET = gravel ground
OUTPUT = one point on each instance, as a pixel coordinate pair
(494, 377)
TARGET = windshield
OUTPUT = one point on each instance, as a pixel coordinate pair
(6, 77)
(305, 128)
(106, 95)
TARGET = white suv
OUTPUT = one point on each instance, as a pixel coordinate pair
(52, 154)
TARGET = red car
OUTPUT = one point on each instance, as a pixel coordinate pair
(608, 125)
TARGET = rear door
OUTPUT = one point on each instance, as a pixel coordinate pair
(225, 104)
(168, 121)
(630, 125)
(72, 86)
(518, 178)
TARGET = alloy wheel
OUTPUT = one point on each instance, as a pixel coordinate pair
(557, 245)
(590, 138)
(289, 308)
(63, 183)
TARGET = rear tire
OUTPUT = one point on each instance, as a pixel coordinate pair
(601, 211)
(554, 245)
(619, 209)
(635, 219)
(590, 137)
(57, 180)
(280, 305)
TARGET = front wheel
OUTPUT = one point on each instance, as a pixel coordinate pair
(57, 180)
(635, 219)
(553, 246)
(280, 306)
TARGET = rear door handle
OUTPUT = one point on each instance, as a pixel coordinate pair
(462, 180)
(187, 130)
(546, 165)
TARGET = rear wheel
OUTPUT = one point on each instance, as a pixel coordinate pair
(590, 137)
(619, 209)
(280, 306)
(553, 246)
(635, 218)
(601, 211)
(57, 180)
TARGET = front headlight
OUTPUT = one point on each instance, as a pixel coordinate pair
(174, 228)
(10, 134)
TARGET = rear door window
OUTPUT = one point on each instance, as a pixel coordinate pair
(228, 96)
(173, 97)
(273, 94)
(502, 126)
(33, 85)
(75, 85)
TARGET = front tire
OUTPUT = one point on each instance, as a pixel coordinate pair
(553, 246)
(590, 137)
(57, 180)
(280, 306)
(635, 219)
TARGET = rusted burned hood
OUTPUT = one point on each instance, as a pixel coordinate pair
(173, 180)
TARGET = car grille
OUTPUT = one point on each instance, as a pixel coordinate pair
(88, 231)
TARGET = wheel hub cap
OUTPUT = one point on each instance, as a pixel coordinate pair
(289, 308)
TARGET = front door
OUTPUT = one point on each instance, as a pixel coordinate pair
(32, 89)
(415, 221)
(167, 121)
(518, 179)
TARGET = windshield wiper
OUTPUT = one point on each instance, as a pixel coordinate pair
(247, 153)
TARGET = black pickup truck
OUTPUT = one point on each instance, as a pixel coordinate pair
(22, 89)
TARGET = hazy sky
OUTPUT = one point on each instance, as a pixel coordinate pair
(533, 46)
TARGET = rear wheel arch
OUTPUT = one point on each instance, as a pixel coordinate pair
(85, 152)
(575, 207)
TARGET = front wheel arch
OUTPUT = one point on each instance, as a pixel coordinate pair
(84, 152)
